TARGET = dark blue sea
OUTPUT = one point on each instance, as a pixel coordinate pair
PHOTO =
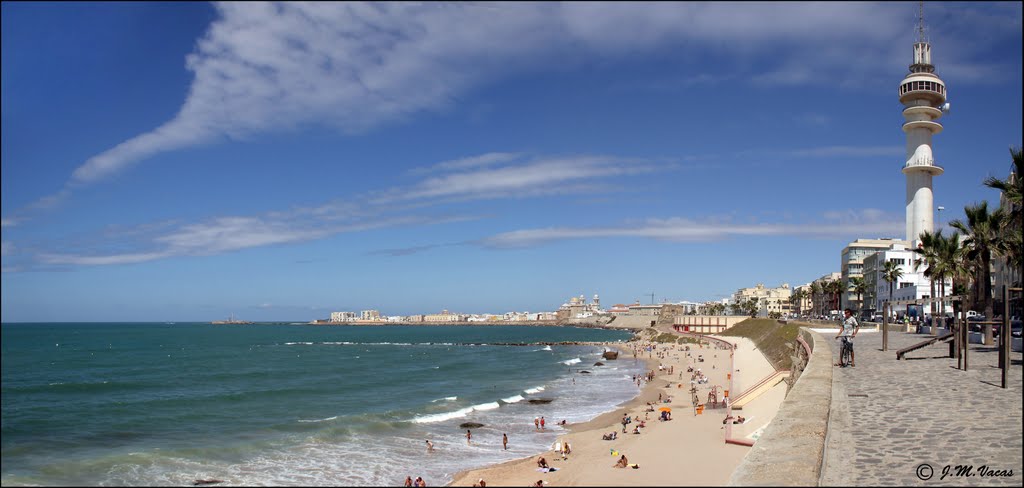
(167, 404)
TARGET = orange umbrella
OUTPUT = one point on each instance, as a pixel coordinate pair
(665, 409)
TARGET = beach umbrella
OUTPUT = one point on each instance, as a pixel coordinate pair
(665, 409)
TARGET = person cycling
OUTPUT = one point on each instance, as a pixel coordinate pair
(848, 331)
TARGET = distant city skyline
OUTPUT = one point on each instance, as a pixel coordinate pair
(191, 161)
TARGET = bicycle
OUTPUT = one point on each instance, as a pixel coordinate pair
(845, 351)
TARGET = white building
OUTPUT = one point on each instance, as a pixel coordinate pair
(343, 316)
(913, 285)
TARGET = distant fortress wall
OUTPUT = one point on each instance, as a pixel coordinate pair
(465, 322)
(706, 324)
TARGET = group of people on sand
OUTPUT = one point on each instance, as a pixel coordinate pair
(418, 482)
(739, 419)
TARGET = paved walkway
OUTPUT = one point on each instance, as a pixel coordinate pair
(889, 417)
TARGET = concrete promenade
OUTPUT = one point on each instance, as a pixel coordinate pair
(889, 417)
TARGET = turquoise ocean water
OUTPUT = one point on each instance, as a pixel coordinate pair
(166, 404)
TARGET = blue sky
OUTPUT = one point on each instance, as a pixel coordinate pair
(188, 161)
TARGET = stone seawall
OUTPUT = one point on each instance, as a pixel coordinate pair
(789, 452)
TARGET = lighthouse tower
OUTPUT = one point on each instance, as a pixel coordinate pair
(923, 96)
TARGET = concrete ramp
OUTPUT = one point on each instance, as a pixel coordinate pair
(900, 354)
(758, 389)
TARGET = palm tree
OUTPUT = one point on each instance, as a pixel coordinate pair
(815, 291)
(1012, 189)
(929, 250)
(858, 286)
(834, 288)
(891, 273)
(795, 299)
(981, 238)
(951, 262)
(751, 307)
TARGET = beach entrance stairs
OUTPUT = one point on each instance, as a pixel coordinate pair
(758, 389)
(901, 354)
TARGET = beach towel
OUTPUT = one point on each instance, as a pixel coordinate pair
(547, 470)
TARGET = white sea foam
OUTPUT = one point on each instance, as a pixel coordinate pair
(486, 406)
(536, 389)
(319, 420)
(513, 399)
(571, 361)
(441, 417)
(445, 399)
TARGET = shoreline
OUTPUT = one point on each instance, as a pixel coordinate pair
(688, 450)
(468, 477)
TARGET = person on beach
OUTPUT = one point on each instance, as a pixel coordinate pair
(408, 481)
(539, 484)
(623, 462)
(469, 436)
(430, 446)
(542, 423)
(542, 463)
(536, 423)
(419, 482)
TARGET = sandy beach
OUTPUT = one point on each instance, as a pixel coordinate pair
(689, 449)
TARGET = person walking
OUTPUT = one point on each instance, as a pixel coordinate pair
(469, 436)
(542, 423)
(504, 441)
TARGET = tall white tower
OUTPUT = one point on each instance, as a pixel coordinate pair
(923, 96)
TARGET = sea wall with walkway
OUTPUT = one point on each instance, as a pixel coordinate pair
(790, 451)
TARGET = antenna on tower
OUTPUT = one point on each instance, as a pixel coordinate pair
(652, 297)
(920, 22)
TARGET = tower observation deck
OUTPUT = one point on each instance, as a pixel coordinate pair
(923, 95)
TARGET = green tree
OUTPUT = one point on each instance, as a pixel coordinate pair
(859, 287)
(750, 306)
(834, 288)
(951, 262)
(817, 297)
(891, 273)
(796, 299)
(928, 251)
(1012, 189)
(981, 238)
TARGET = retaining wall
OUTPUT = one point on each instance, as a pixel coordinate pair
(789, 452)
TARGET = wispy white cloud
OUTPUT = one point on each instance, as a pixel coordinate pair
(539, 176)
(485, 176)
(870, 222)
(469, 163)
(6, 248)
(8, 222)
(226, 234)
(354, 66)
